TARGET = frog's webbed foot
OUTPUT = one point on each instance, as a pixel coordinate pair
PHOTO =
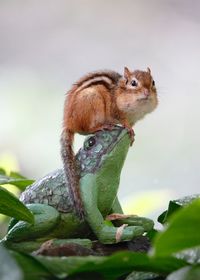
(131, 220)
(45, 218)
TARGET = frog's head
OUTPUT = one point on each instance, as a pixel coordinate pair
(105, 150)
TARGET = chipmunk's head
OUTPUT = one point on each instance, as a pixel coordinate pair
(138, 95)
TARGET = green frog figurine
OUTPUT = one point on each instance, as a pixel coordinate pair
(99, 162)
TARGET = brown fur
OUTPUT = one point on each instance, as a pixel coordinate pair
(98, 100)
(70, 169)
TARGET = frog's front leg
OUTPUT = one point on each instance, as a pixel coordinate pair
(131, 220)
(45, 219)
(105, 231)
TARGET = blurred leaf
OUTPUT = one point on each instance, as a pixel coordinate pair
(172, 208)
(32, 269)
(175, 205)
(186, 273)
(15, 174)
(183, 231)
(112, 266)
(2, 171)
(8, 268)
(151, 234)
(11, 206)
(16, 180)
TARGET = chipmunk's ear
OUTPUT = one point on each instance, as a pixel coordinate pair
(127, 73)
(149, 70)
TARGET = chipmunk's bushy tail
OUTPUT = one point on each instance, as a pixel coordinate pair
(70, 170)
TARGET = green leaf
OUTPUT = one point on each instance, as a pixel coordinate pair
(112, 266)
(15, 174)
(186, 273)
(2, 171)
(16, 180)
(175, 205)
(11, 206)
(172, 208)
(8, 268)
(32, 269)
(151, 234)
(182, 232)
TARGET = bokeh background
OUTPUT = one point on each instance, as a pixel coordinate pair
(47, 45)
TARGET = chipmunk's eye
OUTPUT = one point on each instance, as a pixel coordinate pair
(153, 83)
(134, 83)
(90, 143)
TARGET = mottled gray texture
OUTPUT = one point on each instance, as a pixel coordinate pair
(50, 190)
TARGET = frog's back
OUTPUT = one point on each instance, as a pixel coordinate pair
(52, 190)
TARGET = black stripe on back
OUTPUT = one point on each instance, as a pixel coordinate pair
(96, 83)
(112, 75)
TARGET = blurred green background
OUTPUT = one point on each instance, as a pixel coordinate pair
(45, 46)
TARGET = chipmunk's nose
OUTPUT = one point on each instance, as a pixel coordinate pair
(146, 92)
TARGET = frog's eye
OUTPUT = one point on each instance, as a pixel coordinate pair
(134, 83)
(153, 83)
(90, 143)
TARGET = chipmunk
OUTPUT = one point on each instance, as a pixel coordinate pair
(98, 101)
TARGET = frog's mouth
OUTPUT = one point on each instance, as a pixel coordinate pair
(120, 139)
(115, 155)
(123, 142)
